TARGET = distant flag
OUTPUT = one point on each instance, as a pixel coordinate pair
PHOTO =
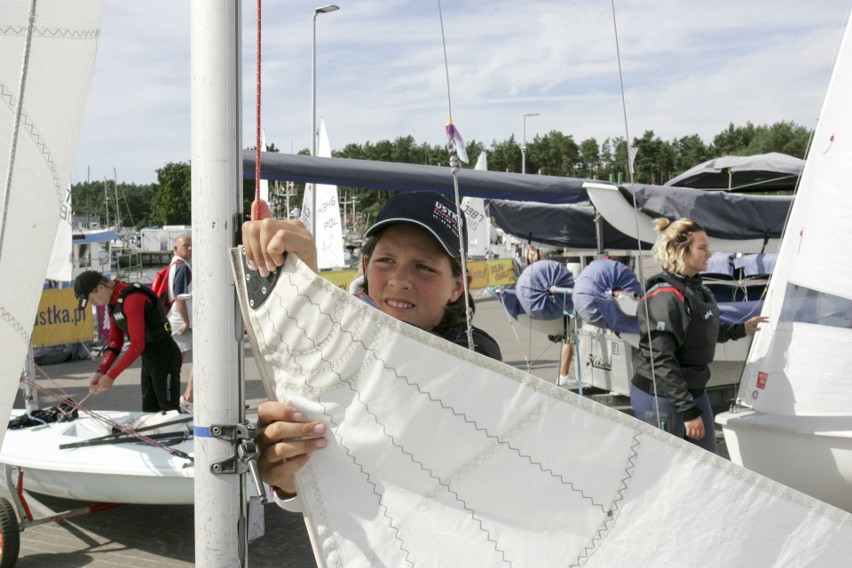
(631, 151)
(454, 135)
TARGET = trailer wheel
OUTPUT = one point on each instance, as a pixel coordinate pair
(10, 534)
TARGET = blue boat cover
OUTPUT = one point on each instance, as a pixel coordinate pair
(720, 264)
(739, 312)
(533, 290)
(756, 264)
(593, 295)
(509, 299)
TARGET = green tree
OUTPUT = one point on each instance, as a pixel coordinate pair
(607, 159)
(785, 137)
(654, 159)
(689, 151)
(505, 156)
(591, 157)
(734, 140)
(554, 154)
(172, 200)
(134, 201)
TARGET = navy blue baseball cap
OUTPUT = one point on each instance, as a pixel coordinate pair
(85, 284)
(427, 209)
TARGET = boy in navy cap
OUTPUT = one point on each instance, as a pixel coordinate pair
(412, 264)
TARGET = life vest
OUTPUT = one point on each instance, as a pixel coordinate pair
(157, 326)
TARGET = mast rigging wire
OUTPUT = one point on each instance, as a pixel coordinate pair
(455, 165)
(636, 221)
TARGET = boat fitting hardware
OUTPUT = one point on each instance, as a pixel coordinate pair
(245, 455)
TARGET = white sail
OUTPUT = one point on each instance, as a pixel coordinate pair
(800, 362)
(329, 230)
(46, 63)
(438, 456)
(478, 223)
(61, 266)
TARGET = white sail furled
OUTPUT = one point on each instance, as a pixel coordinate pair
(800, 362)
(439, 456)
(478, 223)
(47, 54)
(329, 229)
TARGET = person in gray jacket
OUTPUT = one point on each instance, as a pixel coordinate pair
(679, 328)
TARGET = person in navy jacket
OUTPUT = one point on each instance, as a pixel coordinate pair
(679, 328)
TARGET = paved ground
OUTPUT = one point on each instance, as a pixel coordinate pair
(163, 536)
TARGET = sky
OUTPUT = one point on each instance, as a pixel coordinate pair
(688, 68)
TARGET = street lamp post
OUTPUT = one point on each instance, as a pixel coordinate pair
(524, 144)
(321, 10)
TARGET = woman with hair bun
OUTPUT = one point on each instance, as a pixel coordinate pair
(679, 328)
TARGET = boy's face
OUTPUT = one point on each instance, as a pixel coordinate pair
(411, 277)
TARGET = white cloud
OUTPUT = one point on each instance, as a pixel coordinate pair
(689, 67)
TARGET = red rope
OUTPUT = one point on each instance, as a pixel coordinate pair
(66, 397)
(257, 118)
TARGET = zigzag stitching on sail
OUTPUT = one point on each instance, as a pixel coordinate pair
(14, 324)
(432, 398)
(615, 508)
(611, 514)
(367, 476)
(445, 406)
(525, 421)
(410, 455)
(62, 33)
(609, 519)
(317, 347)
(8, 95)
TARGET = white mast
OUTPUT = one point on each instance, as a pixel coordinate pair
(117, 207)
(216, 189)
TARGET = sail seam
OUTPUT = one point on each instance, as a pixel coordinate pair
(13, 322)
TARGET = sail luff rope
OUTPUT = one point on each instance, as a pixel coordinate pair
(257, 115)
(636, 221)
(7, 188)
(455, 165)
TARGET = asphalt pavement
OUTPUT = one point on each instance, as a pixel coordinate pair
(163, 536)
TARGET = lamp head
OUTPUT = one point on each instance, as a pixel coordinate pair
(326, 9)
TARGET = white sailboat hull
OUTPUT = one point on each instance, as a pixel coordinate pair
(116, 473)
(608, 360)
(811, 453)
(728, 352)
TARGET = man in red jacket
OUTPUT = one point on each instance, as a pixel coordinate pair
(135, 312)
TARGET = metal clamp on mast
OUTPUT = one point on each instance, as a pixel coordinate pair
(245, 454)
